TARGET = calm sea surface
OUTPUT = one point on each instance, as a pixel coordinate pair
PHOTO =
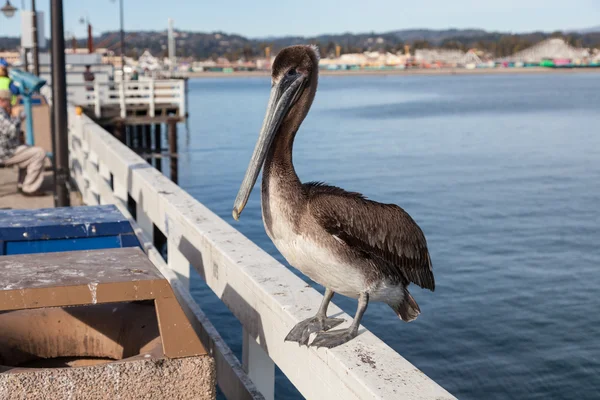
(503, 175)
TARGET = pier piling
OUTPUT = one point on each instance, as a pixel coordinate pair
(120, 131)
(172, 124)
(158, 147)
(139, 121)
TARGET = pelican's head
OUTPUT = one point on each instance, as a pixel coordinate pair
(293, 87)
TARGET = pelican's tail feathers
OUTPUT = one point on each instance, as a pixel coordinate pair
(407, 309)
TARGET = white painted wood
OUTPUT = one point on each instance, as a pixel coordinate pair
(144, 220)
(152, 99)
(259, 366)
(183, 96)
(104, 173)
(97, 100)
(145, 92)
(122, 99)
(266, 297)
(177, 262)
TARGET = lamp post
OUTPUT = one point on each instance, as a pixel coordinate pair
(8, 10)
(34, 47)
(122, 39)
(122, 43)
(60, 138)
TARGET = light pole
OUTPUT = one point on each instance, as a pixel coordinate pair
(9, 11)
(122, 39)
(122, 43)
(60, 138)
(34, 47)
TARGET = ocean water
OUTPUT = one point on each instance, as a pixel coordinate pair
(502, 173)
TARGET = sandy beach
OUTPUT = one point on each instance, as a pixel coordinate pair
(431, 72)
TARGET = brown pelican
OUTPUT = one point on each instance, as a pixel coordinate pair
(352, 246)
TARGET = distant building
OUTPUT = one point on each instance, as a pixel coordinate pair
(550, 49)
(439, 56)
(147, 62)
(372, 59)
(12, 57)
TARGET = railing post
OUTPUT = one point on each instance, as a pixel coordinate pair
(97, 104)
(259, 366)
(178, 263)
(122, 98)
(105, 174)
(152, 103)
(173, 156)
(144, 221)
(120, 190)
(182, 96)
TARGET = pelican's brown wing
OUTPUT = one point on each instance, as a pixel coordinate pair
(383, 233)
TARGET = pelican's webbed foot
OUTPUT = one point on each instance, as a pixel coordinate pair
(301, 332)
(334, 338)
(341, 336)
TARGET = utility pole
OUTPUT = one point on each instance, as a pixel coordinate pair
(122, 43)
(171, 44)
(90, 41)
(34, 49)
(60, 138)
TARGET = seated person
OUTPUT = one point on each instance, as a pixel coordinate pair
(13, 152)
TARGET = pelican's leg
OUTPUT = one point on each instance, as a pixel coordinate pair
(341, 336)
(301, 332)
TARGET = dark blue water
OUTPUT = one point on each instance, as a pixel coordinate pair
(503, 175)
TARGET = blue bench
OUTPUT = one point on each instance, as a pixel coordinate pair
(48, 230)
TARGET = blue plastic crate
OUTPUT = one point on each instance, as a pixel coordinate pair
(48, 230)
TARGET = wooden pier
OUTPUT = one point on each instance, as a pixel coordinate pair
(142, 114)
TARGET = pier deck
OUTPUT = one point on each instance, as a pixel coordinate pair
(11, 198)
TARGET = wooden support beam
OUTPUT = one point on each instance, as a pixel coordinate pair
(147, 138)
(158, 145)
(120, 132)
(173, 148)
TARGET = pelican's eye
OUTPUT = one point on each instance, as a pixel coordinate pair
(292, 72)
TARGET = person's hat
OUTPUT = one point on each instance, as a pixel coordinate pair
(5, 94)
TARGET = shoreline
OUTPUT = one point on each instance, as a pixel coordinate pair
(406, 72)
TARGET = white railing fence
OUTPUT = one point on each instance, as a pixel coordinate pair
(264, 295)
(143, 92)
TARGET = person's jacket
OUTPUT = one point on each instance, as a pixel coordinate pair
(10, 130)
(7, 84)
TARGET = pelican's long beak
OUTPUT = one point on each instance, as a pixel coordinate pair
(283, 95)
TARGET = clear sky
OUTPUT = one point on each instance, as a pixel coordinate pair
(261, 18)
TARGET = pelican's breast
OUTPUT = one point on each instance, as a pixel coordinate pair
(307, 247)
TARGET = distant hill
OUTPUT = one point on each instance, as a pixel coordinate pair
(588, 30)
(202, 45)
(9, 43)
(436, 36)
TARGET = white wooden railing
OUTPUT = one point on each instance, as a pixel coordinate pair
(266, 297)
(143, 92)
